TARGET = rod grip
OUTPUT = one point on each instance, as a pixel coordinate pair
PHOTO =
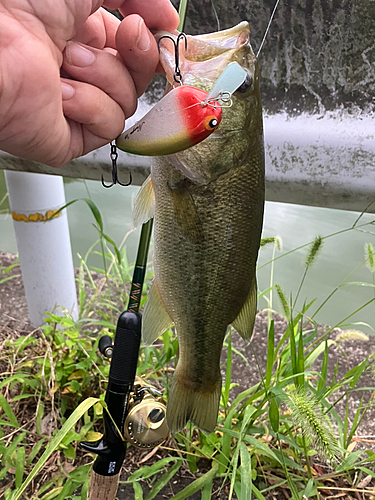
(103, 487)
(126, 348)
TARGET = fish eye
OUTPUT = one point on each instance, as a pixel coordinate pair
(246, 84)
(210, 122)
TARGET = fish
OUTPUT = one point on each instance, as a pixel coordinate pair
(207, 203)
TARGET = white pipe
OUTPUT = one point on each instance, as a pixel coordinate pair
(44, 246)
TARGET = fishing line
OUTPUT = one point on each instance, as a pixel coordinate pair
(222, 98)
(268, 27)
(217, 17)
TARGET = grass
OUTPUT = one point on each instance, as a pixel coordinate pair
(284, 433)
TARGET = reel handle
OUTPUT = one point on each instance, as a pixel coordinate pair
(105, 346)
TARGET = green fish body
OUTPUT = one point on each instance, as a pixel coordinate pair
(207, 203)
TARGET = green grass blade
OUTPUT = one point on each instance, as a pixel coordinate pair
(262, 449)
(12, 447)
(265, 292)
(234, 463)
(310, 490)
(349, 461)
(20, 463)
(323, 375)
(301, 358)
(257, 493)
(274, 415)
(68, 488)
(197, 485)
(182, 14)
(94, 210)
(316, 352)
(109, 240)
(246, 480)
(293, 352)
(39, 416)
(138, 492)
(34, 452)
(270, 353)
(226, 443)
(14, 276)
(228, 373)
(159, 485)
(5, 406)
(54, 443)
(207, 490)
(51, 495)
(150, 470)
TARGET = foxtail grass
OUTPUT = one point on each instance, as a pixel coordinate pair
(308, 415)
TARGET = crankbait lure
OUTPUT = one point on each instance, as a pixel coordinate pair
(175, 123)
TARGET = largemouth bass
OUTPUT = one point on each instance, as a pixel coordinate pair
(207, 203)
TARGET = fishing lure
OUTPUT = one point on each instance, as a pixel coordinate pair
(183, 117)
(175, 123)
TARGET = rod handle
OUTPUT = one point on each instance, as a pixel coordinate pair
(126, 348)
(103, 487)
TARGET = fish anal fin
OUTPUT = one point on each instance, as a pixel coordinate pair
(186, 403)
(155, 318)
(144, 205)
(244, 323)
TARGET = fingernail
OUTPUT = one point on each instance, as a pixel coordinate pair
(143, 40)
(67, 91)
(78, 55)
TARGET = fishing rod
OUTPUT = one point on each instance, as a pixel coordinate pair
(134, 414)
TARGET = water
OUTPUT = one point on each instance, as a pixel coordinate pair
(297, 225)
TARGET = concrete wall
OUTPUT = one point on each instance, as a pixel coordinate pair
(319, 54)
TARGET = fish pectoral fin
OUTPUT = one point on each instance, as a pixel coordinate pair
(144, 205)
(244, 323)
(155, 318)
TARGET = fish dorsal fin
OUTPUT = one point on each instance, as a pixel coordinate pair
(144, 205)
(244, 323)
(155, 318)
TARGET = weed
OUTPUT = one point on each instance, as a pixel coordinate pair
(284, 432)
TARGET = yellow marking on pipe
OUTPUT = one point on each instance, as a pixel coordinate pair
(37, 217)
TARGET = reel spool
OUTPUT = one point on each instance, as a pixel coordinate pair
(145, 425)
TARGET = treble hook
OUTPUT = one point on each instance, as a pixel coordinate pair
(177, 73)
(114, 156)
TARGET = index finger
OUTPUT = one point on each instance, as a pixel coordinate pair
(158, 14)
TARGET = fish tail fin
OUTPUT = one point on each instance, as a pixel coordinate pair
(199, 406)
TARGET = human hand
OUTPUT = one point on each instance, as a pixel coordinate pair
(51, 119)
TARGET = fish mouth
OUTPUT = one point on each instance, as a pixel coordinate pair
(205, 56)
(203, 47)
